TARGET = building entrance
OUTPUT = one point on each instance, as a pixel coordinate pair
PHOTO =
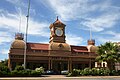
(59, 66)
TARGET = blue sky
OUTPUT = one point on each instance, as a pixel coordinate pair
(103, 16)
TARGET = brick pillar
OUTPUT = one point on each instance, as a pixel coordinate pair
(49, 64)
(70, 65)
(90, 63)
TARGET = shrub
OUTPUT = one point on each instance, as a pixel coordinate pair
(94, 71)
(4, 71)
(40, 70)
(37, 71)
(82, 72)
(100, 72)
(75, 72)
(113, 73)
(19, 68)
(19, 71)
(87, 71)
(14, 73)
(27, 72)
(106, 72)
(69, 74)
(34, 73)
(4, 68)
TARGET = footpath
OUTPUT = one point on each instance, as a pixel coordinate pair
(62, 77)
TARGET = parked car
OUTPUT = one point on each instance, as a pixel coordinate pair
(50, 72)
(64, 72)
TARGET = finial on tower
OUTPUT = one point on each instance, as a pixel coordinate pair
(57, 18)
(91, 41)
(90, 33)
(19, 36)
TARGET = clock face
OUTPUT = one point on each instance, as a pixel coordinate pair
(59, 32)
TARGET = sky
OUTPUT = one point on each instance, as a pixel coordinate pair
(102, 16)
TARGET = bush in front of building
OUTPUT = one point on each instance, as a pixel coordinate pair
(75, 72)
(40, 70)
(37, 71)
(94, 72)
(86, 71)
(114, 73)
(103, 72)
(19, 71)
(19, 68)
(89, 72)
(4, 71)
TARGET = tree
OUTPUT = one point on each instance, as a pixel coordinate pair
(108, 52)
(4, 62)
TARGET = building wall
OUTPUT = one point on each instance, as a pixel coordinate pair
(47, 59)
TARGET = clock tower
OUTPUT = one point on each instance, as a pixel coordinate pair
(57, 36)
(57, 30)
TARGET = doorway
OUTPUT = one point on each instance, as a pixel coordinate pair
(59, 66)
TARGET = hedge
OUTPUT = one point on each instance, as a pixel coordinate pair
(93, 72)
(19, 71)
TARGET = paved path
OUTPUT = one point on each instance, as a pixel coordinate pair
(62, 77)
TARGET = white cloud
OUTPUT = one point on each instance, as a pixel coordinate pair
(102, 22)
(18, 3)
(73, 39)
(4, 51)
(67, 9)
(5, 37)
(23, 6)
(1, 10)
(13, 1)
(75, 9)
(11, 22)
(115, 37)
(109, 32)
(97, 14)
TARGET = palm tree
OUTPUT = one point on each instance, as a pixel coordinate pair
(108, 52)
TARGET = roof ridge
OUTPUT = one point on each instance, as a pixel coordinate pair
(37, 43)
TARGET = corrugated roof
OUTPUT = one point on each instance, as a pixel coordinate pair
(41, 46)
(38, 46)
(79, 48)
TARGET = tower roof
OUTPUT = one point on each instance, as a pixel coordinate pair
(18, 44)
(58, 22)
